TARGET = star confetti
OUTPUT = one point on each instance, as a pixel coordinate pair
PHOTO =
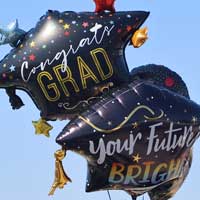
(135, 125)
(32, 57)
(128, 28)
(12, 68)
(66, 26)
(85, 24)
(136, 158)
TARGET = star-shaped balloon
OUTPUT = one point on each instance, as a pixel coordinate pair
(102, 5)
(42, 127)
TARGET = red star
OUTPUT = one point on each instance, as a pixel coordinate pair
(32, 57)
(85, 24)
(129, 28)
(67, 33)
(102, 5)
(169, 82)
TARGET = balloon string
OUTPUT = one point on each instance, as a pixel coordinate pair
(109, 195)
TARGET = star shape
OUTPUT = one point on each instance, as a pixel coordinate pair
(128, 28)
(32, 44)
(12, 68)
(32, 57)
(136, 158)
(102, 5)
(85, 24)
(42, 127)
(66, 26)
(135, 125)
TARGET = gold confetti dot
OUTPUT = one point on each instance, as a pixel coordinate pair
(32, 44)
(61, 21)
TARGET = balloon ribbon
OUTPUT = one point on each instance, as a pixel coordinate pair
(61, 178)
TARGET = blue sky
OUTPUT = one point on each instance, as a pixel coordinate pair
(27, 164)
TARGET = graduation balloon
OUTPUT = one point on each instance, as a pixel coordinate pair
(138, 138)
(68, 59)
(136, 129)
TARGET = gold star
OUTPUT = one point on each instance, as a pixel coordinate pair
(32, 44)
(66, 26)
(135, 125)
(136, 158)
(42, 127)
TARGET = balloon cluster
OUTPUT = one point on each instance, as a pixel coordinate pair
(136, 129)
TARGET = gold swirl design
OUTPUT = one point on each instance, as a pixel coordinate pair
(65, 105)
(126, 119)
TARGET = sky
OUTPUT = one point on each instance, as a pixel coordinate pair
(27, 162)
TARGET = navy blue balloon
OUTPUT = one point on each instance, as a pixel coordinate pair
(68, 59)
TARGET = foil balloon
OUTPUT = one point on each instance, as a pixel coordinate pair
(102, 5)
(136, 129)
(68, 59)
(138, 137)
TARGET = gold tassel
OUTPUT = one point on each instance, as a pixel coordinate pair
(61, 179)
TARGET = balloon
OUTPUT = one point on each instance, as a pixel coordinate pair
(138, 137)
(69, 58)
(102, 5)
(136, 129)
